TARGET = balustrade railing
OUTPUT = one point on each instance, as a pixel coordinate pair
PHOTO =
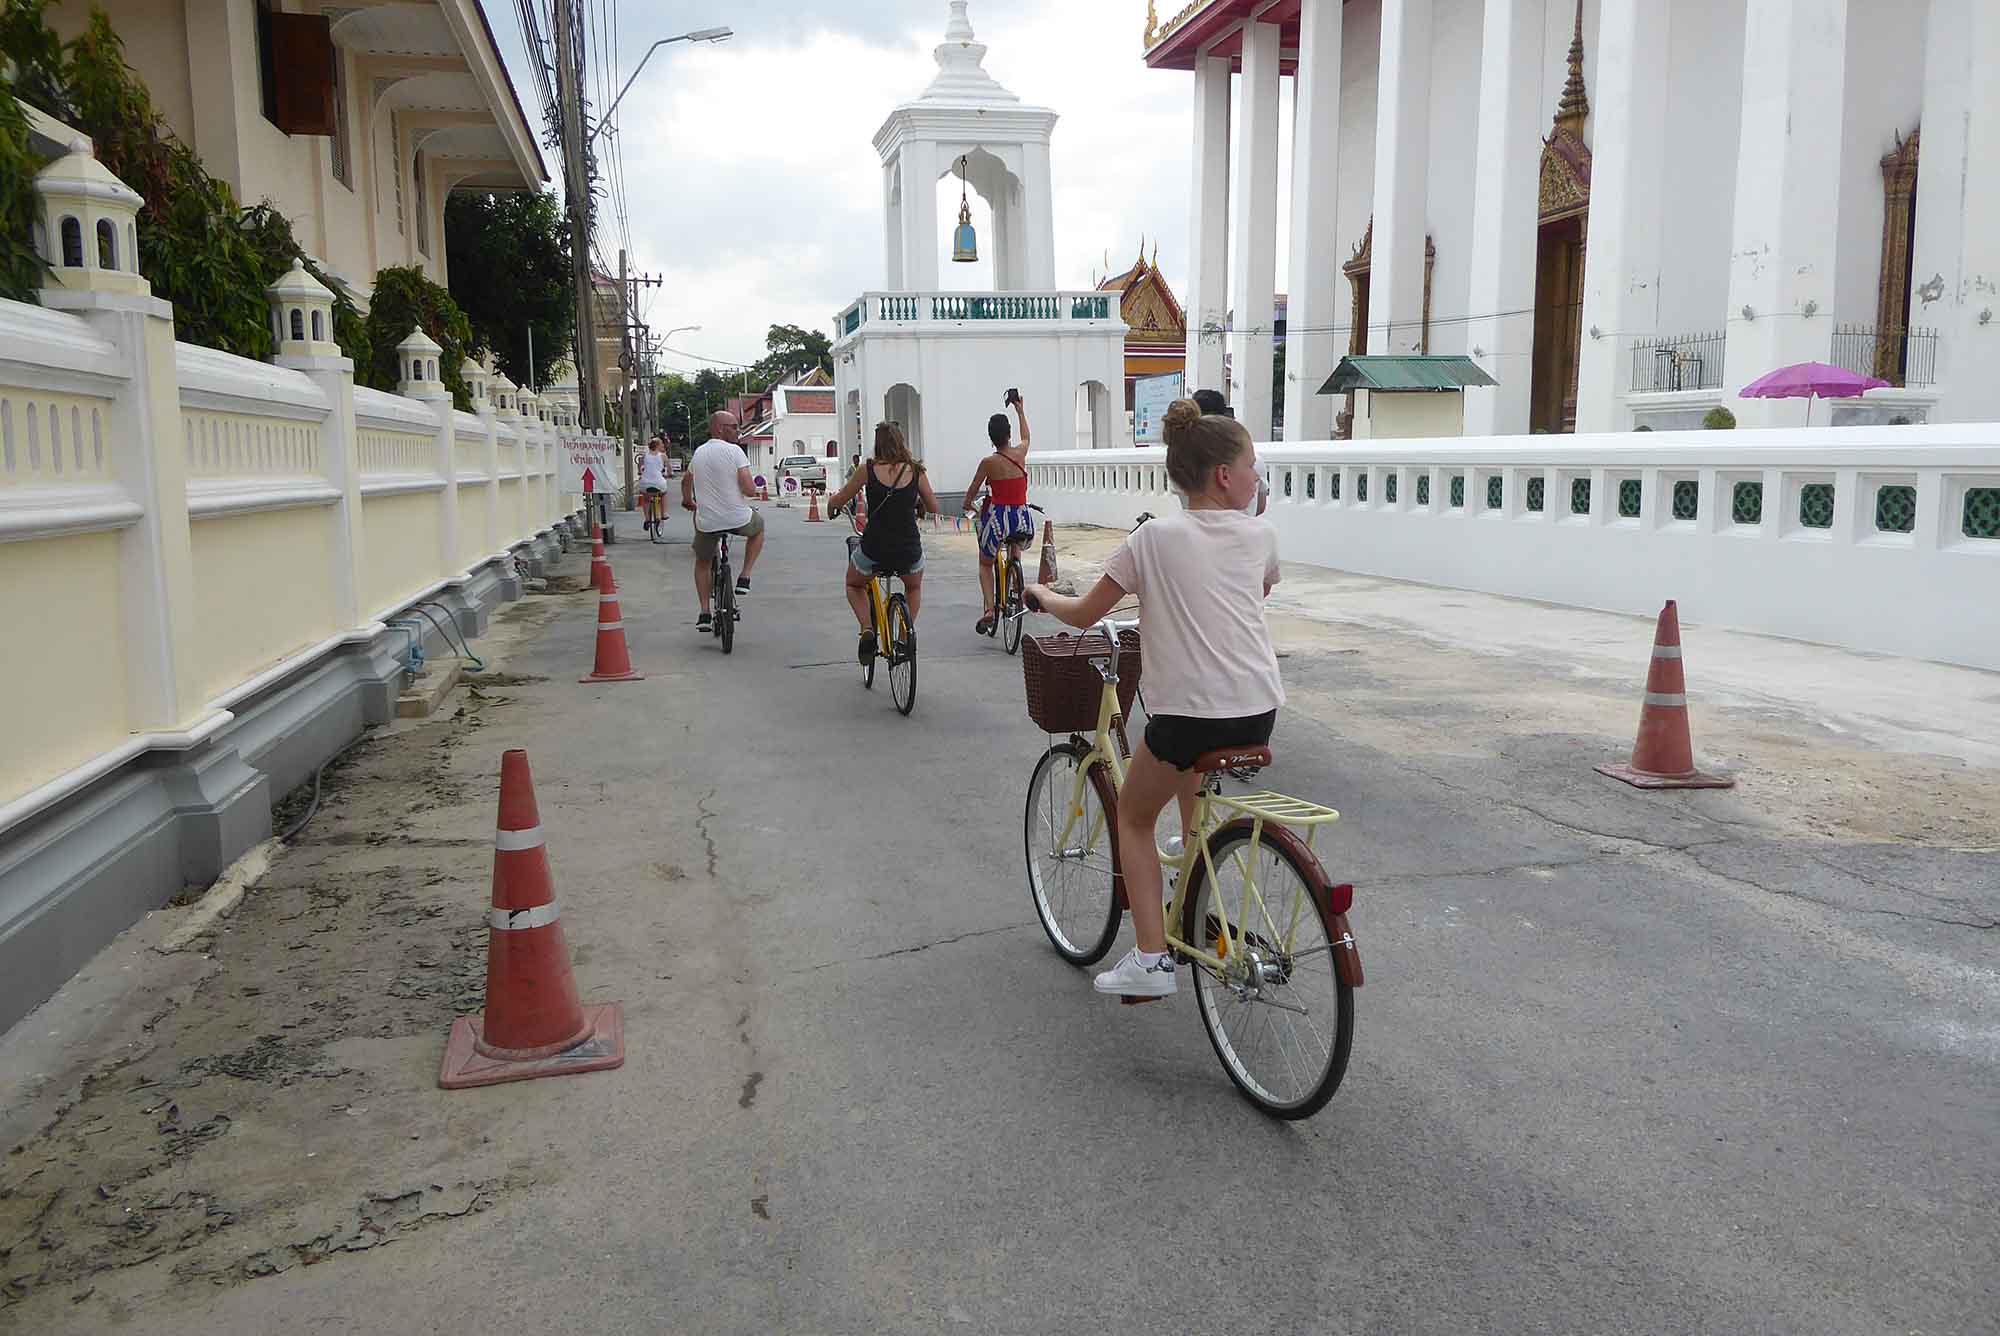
(921, 308)
(1678, 362)
(1899, 356)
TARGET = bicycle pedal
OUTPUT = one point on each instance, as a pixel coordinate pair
(1127, 1000)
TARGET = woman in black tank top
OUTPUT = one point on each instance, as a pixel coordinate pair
(896, 489)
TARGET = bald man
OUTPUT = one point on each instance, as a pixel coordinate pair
(716, 487)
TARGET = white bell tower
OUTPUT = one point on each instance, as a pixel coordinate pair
(965, 113)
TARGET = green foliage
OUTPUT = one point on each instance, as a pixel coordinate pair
(21, 269)
(524, 237)
(686, 402)
(197, 248)
(1718, 419)
(789, 349)
(405, 299)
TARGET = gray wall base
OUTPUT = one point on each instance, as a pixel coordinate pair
(76, 875)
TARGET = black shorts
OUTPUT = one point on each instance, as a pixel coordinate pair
(1179, 739)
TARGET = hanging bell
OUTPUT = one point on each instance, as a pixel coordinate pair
(964, 241)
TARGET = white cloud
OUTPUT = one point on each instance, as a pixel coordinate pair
(752, 184)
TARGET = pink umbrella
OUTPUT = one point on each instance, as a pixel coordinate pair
(1809, 381)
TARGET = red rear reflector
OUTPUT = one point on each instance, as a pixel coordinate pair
(1340, 899)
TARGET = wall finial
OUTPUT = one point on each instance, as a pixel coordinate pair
(1575, 104)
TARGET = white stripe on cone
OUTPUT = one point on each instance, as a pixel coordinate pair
(1666, 698)
(611, 626)
(520, 920)
(1666, 651)
(514, 841)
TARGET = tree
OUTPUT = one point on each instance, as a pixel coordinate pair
(789, 349)
(687, 401)
(510, 274)
(405, 299)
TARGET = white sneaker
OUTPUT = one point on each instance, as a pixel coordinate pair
(1132, 977)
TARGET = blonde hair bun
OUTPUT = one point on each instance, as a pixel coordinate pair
(1181, 414)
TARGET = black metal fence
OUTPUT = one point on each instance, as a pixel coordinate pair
(1899, 356)
(1684, 362)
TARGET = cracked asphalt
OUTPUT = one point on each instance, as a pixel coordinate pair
(1623, 1062)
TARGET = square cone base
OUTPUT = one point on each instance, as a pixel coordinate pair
(1640, 779)
(613, 677)
(465, 1066)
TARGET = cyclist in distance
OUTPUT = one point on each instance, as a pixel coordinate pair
(897, 489)
(716, 487)
(1005, 517)
(1211, 673)
(653, 483)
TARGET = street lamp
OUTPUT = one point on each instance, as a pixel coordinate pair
(698, 35)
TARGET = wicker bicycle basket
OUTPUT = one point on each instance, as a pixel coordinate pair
(1064, 687)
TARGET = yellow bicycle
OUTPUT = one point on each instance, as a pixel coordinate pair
(895, 632)
(1252, 910)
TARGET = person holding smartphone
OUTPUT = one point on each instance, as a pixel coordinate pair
(1005, 521)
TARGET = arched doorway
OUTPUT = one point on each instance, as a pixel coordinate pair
(1093, 416)
(1561, 240)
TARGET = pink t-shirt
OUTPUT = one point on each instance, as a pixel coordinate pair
(1200, 578)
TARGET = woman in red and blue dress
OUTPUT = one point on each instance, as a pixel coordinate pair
(1005, 518)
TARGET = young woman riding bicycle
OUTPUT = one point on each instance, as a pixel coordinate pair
(896, 488)
(1005, 518)
(1211, 674)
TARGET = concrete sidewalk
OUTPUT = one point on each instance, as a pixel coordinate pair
(1624, 1062)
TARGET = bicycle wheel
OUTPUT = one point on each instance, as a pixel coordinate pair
(902, 654)
(725, 606)
(1067, 835)
(868, 668)
(1279, 1015)
(1010, 618)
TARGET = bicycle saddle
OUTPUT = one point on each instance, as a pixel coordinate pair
(1233, 758)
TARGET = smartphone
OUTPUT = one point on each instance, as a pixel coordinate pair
(1012, 396)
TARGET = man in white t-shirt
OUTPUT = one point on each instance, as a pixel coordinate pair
(716, 487)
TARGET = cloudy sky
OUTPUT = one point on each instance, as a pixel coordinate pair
(752, 185)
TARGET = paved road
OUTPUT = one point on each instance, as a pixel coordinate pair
(1592, 1089)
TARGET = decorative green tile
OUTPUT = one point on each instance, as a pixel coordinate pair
(1361, 488)
(1493, 492)
(1458, 491)
(1629, 495)
(1288, 492)
(1816, 505)
(1389, 489)
(1579, 496)
(1333, 485)
(1896, 509)
(1423, 489)
(1312, 483)
(1537, 493)
(1687, 499)
(1982, 512)
(1746, 506)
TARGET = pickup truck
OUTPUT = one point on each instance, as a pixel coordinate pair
(810, 472)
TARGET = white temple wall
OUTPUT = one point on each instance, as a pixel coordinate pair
(1884, 98)
(1704, 122)
(1360, 48)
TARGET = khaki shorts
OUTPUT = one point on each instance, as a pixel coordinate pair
(706, 543)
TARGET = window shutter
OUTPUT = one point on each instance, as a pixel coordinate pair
(302, 73)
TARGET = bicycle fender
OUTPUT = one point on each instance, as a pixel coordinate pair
(1335, 898)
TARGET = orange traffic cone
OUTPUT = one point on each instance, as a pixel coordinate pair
(812, 510)
(763, 491)
(614, 661)
(600, 565)
(533, 1025)
(1047, 575)
(1663, 756)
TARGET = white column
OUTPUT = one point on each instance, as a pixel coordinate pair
(1787, 198)
(1621, 268)
(892, 229)
(1038, 204)
(1311, 348)
(1013, 232)
(1208, 227)
(920, 216)
(1254, 282)
(1975, 335)
(1505, 203)
(1402, 158)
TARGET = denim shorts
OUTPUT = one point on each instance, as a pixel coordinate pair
(867, 566)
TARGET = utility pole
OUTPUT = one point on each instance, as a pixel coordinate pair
(625, 413)
(576, 191)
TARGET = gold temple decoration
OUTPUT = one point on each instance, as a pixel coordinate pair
(1892, 293)
(1157, 32)
(1564, 190)
(1360, 261)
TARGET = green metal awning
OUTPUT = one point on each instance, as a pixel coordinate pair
(1411, 373)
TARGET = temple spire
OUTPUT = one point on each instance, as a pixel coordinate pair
(961, 60)
(1575, 104)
